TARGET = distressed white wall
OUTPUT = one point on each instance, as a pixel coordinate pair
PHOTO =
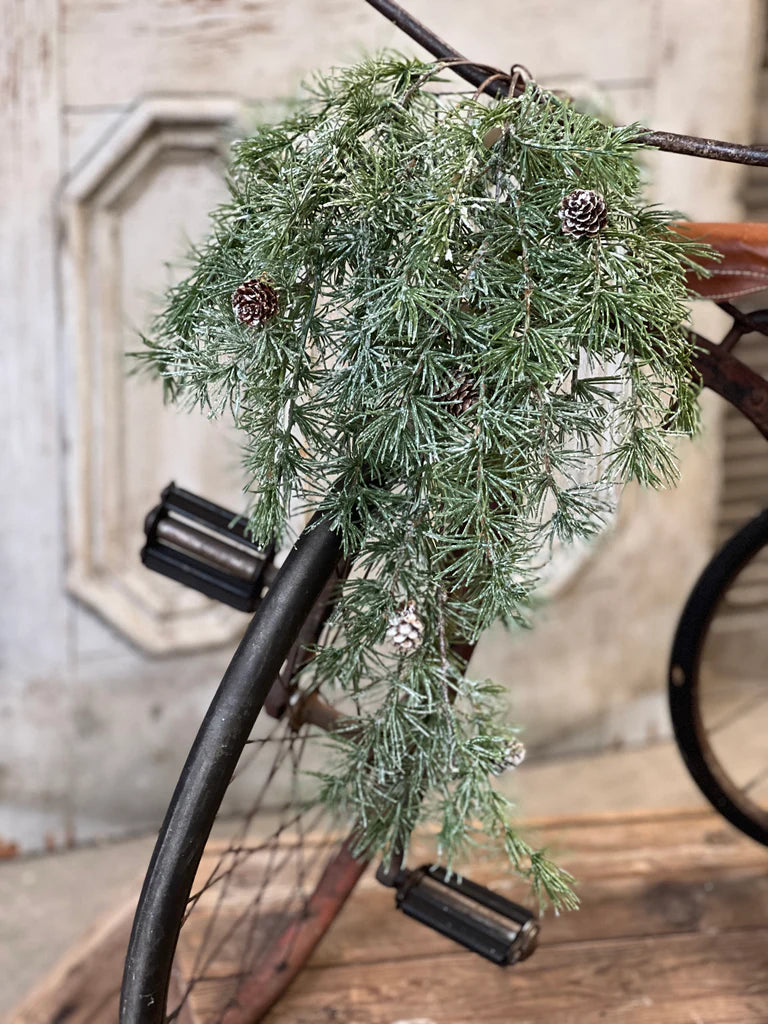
(113, 114)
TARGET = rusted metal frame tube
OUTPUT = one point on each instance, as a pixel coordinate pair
(753, 322)
(723, 373)
(472, 72)
(732, 338)
(289, 951)
(708, 149)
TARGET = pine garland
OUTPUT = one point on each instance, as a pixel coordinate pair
(456, 374)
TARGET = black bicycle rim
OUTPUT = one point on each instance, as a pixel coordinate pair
(209, 768)
(684, 675)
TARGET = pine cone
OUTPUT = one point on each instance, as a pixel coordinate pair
(254, 302)
(463, 396)
(583, 213)
(513, 758)
(406, 630)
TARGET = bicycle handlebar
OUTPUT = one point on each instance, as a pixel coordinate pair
(501, 83)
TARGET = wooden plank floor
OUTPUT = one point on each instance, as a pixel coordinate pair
(673, 930)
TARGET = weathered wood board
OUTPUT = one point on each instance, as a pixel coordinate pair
(674, 929)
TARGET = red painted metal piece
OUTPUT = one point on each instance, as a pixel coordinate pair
(289, 950)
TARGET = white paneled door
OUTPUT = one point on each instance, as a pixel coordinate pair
(116, 118)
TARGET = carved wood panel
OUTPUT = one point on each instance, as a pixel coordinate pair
(148, 184)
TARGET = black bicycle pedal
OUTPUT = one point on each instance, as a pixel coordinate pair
(472, 915)
(205, 547)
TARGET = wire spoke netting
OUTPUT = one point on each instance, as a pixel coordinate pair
(263, 862)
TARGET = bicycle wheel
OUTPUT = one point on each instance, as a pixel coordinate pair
(718, 680)
(295, 882)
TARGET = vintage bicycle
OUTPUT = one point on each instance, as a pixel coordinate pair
(297, 882)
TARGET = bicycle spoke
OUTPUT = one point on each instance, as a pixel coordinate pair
(751, 705)
(760, 777)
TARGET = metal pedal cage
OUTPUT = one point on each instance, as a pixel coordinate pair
(205, 547)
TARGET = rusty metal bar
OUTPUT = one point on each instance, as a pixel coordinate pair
(497, 83)
(746, 390)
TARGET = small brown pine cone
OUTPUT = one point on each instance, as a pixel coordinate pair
(513, 757)
(254, 302)
(406, 630)
(462, 396)
(583, 213)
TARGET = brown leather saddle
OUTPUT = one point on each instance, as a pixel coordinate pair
(743, 268)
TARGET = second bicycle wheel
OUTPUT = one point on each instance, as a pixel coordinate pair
(718, 680)
(223, 925)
